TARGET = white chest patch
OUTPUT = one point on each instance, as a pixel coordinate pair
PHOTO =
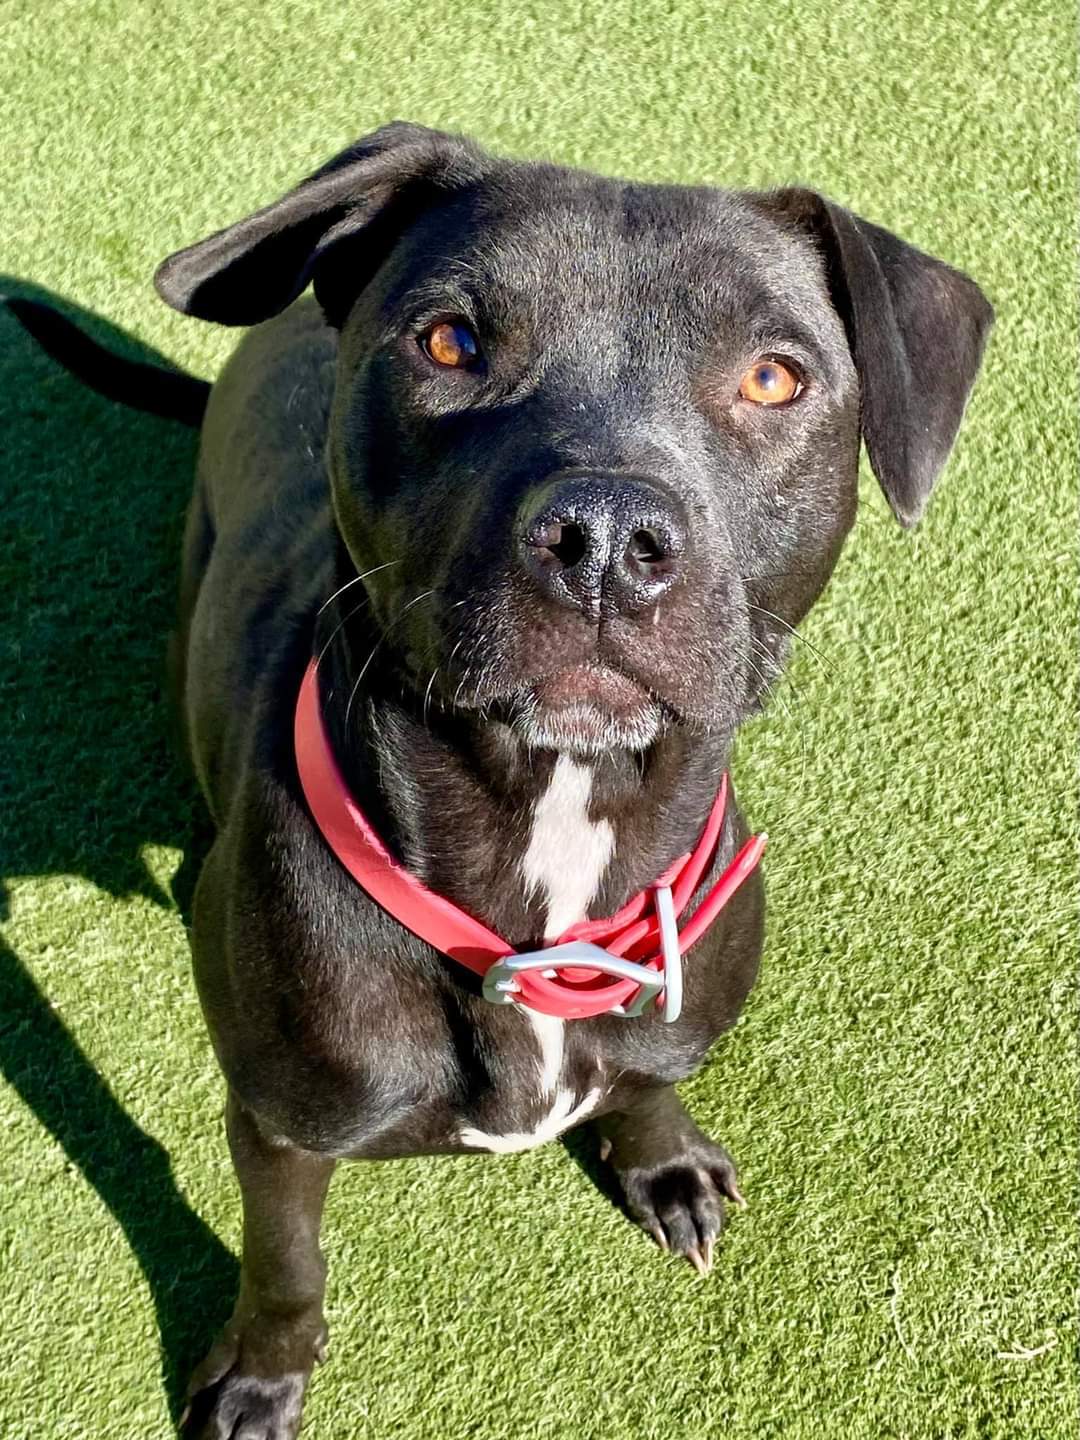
(567, 853)
(560, 1117)
(565, 861)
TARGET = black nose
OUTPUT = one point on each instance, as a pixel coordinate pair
(603, 545)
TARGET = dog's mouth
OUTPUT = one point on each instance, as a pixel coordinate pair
(560, 682)
(585, 705)
(587, 708)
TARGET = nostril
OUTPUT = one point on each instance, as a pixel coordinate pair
(564, 542)
(646, 548)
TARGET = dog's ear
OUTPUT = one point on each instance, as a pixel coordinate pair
(916, 329)
(253, 269)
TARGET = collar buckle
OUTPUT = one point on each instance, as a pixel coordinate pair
(500, 985)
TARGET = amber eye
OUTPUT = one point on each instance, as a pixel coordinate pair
(770, 382)
(450, 343)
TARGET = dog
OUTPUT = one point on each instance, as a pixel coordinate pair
(495, 542)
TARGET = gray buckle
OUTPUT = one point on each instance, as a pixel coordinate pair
(500, 985)
(669, 946)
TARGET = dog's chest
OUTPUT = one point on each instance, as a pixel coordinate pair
(563, 866)
(398, 1060)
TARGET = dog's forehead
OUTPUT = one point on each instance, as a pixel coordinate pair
(560, 240)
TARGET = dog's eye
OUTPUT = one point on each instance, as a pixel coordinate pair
(451, 343)
(770, 382)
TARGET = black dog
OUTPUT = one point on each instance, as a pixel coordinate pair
(570, 458)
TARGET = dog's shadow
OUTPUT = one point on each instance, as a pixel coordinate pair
(92, 499)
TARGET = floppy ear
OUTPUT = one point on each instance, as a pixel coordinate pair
(253, 269)
(916, 328)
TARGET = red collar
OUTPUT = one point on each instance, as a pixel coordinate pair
(615, 965)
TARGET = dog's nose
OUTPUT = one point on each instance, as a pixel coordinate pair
(603, 544)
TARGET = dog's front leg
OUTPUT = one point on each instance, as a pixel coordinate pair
(674, 1177)
(252, 1382)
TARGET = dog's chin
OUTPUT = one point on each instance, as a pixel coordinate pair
(587, 710)
(587, 730)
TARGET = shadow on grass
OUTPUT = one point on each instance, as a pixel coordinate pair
(583, 1147)
(91, 514)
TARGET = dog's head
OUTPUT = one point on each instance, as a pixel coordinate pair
(595, 444)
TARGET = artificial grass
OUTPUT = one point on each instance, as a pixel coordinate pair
(900, 1092)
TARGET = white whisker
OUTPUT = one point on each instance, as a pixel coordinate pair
(426, 594)
(356, 581)
(795, 634)
(427, 696)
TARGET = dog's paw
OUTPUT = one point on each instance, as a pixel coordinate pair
(680, 1202)
(247, 1388)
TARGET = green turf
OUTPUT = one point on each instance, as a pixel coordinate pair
(900, 1091)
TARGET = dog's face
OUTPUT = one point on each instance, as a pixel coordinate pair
(595, 445)
(615, 431)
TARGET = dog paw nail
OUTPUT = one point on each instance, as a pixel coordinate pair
(605, 1149)
(699, 1262)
